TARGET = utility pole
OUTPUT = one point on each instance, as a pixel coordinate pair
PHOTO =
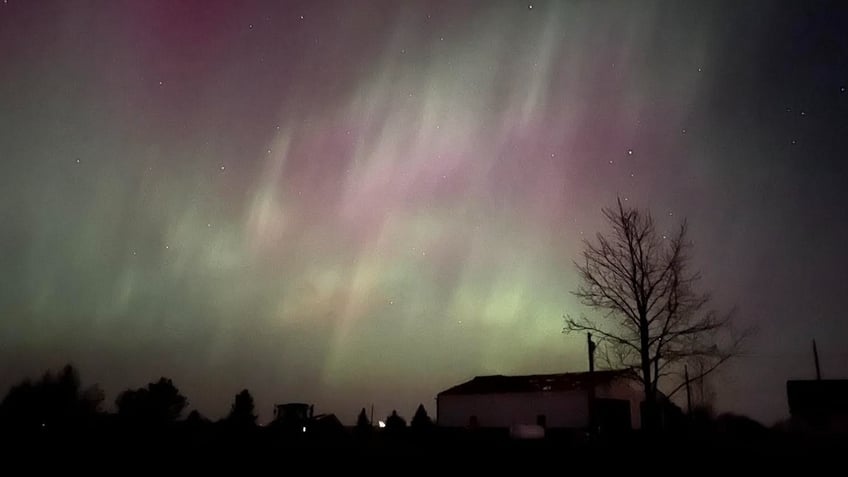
(591, 352)
(816, 356)
(591, 349)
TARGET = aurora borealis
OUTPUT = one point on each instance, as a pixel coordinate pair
(349, 203)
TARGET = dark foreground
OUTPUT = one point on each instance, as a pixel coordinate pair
(407, 450)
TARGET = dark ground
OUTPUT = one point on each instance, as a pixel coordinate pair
(210, 446)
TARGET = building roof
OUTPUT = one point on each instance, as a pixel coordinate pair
(533, 383)
(825, 396)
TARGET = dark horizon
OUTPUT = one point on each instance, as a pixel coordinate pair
(357, 203)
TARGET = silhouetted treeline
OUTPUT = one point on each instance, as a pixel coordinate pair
(56, 412)
(54, 401)
(159, 403)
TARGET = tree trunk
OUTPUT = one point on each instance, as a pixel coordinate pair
(649, 411)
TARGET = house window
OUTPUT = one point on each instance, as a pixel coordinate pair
(541, 420)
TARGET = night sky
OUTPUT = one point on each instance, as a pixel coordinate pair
(355, 202)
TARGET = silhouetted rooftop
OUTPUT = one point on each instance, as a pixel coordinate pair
(533, 383)
(825, 396)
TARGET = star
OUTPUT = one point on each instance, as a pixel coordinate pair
(794, 141)
(530, 7)
(301, 17)
(842, 89)
(250, 26)
(803, 113)
(222, 168)
(161, 83)
(77, 160)
(630, 152)
(684, 130)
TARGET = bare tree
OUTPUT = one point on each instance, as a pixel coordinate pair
(653, 319)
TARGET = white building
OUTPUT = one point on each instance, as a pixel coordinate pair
(545, 400)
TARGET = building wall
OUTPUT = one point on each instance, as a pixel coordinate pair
(624, 389)
(567, 409)
(561, 409)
